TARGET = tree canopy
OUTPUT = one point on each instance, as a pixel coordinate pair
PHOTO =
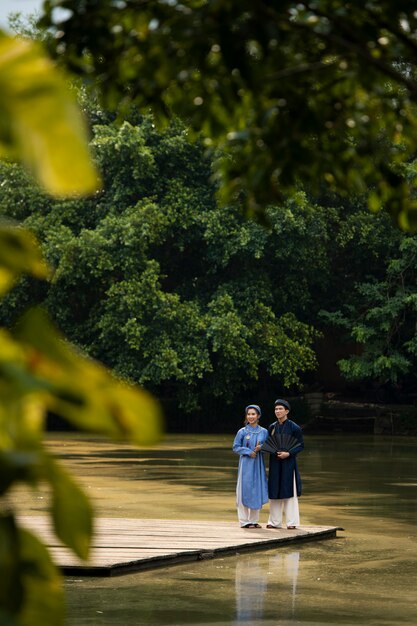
(320, 93)
(380, 317)
(154, 279)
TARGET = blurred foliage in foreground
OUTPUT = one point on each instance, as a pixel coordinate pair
(321, 93)
(39, 371)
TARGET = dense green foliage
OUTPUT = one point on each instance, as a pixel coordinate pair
(380, 317)
(153, 278)
(323, 92)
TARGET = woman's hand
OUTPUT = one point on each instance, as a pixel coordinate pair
(255, 450)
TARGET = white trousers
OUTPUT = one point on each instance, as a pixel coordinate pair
(288, 506)
(246, 515)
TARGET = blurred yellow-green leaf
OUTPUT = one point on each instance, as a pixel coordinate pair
(83, 391)
(69, 502)
(22, 398)
(11, 592)
(41, 126)
(44, 595)
(40, 123)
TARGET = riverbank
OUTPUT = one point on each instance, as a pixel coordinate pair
(332, 415)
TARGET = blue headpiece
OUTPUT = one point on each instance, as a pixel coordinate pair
(254, 406)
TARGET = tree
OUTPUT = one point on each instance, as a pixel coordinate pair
(188, 298)
(381, 318)
(172, 291)
(39, 370)
(321, 93)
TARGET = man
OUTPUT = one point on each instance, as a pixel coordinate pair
(284, 482)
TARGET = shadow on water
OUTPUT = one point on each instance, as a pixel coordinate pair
(366, 484)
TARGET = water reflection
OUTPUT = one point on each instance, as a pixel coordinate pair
(250, 589)
(257, 578)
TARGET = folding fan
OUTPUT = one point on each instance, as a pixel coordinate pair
(280, 443)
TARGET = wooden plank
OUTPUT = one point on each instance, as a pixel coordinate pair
(124, 545)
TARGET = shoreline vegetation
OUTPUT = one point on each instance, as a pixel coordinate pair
(316, 413)
(367, 417)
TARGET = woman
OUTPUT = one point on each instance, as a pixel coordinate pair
(284, 481)
(251, 489)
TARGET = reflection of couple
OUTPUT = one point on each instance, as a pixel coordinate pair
(284, 483)
(252, 577)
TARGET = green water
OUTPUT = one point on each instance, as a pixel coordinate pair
(368, 575)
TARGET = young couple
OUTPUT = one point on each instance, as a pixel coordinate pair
(283, 485)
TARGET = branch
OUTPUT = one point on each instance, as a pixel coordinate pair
(354, 45)
(300, 69)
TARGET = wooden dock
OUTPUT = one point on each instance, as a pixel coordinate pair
(126, 545)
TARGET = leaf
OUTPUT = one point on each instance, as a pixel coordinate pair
(374, 202)
(7, 620)
(42, 582)
(16, 465)
(40, 122)
(83, 391)
(71, 510)
(11, 590)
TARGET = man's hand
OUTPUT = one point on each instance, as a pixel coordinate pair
(282, 455)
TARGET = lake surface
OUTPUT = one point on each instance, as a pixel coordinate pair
(368, 575)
